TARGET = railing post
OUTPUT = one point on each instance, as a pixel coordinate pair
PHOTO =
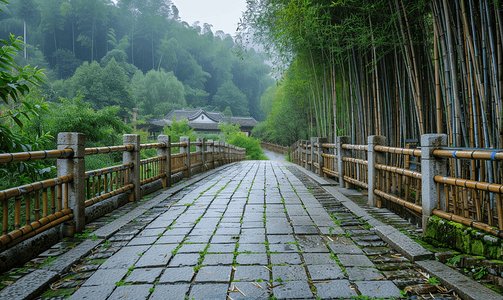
(321, 160)
(431, 166)
(209, 149)
(201, 149)
(76, 167)
(215, 153)
(305, 153)
(341, 140)
(222, 153)
(226, 153)
(134, 157)
(229, 158)
(297, 149)
(166, 150)
(186, 149)
(374, 157)
(311, 167)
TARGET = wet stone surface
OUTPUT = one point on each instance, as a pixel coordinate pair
(248, 229)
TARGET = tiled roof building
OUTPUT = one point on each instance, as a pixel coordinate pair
(202, 120)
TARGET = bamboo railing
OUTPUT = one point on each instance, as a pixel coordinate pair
(275, 147)
(31, 209)
(393, 175)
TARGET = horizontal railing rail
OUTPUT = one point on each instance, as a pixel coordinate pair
(104, 150)
(34, 155)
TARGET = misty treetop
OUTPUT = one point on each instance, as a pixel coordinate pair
(134, 53)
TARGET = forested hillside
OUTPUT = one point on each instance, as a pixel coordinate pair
(134, 53)
(398, 68)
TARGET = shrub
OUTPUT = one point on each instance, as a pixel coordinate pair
(252, 145)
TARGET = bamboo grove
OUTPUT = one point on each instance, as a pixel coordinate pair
(398, 68)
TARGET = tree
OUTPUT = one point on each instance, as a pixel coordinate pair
(157, 92)
(52, 18)
(267, 99)
(196, 97)
(25, 10)
(102, 126)
(65, 63)
(228, 94)
(121, 58)
(178, 129)
(90, 14)
(101, 87)
(228, 130)
(227, 111)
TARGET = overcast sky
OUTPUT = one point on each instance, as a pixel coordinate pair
(222, 14)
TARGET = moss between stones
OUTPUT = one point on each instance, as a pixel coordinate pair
(443, 233)
(57, 293)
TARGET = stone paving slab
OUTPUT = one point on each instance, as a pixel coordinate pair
(157, 255)
(144, 275)
(184, 259)
(218, 259)
(252, 259)
(214, 274)
(106, 277)
(285, 258)
(378, 289)
(325, 272)
(293, 290)
(208, 292)
(251, 273)
(138, 291)
(124, 258)
(177, 291)
(179, 274)
(363, 273)
(405, 245)
(348, 260)
(334, 288)
(250, 290)
(292, 273)
(93, 292)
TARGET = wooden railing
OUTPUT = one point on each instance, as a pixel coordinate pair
(30, 209)
(275, 147)
(423, 180)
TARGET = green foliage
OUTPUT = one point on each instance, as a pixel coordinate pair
(100, 126)
(227, 111)
(267, 99)
(122, 60)
(229, 94)
(157, 92)
(101, 87)
(178, 129)
(454, 261)
(433, 280)
(64, 63)
(252, 145)
(229, 130)
(15, 110)
(288, 121)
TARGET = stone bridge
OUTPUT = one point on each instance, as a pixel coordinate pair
(247, 230)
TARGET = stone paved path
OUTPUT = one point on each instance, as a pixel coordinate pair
(256, 232)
